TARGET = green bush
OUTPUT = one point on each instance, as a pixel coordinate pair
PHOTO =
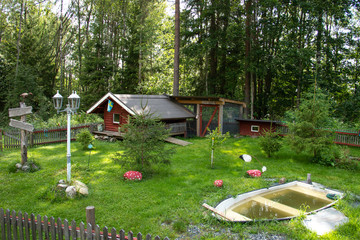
(307, 133)
(85, 138)
(144, 144)
(270, 142)
(61, 120)
(345, 162)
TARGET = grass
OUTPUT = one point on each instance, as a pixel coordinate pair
(170, 201)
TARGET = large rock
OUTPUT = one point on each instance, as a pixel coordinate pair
(81, 187)
(70, 191)
(25, 168)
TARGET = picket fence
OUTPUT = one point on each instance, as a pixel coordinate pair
(20, 227)
(341, 137)
(11, 138)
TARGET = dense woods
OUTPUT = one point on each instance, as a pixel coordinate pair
(267, 53)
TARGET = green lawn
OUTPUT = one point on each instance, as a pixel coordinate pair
(167, 203)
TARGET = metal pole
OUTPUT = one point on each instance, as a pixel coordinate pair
(68, 155)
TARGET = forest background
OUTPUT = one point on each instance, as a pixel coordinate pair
(267, 53)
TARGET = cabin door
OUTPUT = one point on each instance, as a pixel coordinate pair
(209, 118)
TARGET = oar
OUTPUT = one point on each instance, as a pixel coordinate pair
(217, 212)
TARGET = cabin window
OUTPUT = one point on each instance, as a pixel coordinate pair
(255, 128)
(116, 118)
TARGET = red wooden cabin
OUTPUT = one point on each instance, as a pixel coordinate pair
(125, 105)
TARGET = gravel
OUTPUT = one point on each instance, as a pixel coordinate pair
(201, 232)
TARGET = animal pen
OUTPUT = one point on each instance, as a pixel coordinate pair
(212, 112)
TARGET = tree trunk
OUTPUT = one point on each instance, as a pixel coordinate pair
(79, 36)
(18, 40)
(247, 56)
(177, 49)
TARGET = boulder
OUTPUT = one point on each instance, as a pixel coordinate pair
(25, 168)
(18, 165)
(133, 176)
(81, 187)
(218, 183)
(70, 192)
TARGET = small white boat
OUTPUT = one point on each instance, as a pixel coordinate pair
(279, 202)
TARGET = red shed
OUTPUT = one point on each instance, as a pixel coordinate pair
(123, 105)
(251, 127)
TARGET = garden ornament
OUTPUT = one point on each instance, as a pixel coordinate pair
(218, 183)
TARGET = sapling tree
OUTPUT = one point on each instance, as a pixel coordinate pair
(308, 133)
(216, 139)
(270, 142)
(143, 142)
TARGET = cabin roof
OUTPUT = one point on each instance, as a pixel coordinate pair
(161, 106)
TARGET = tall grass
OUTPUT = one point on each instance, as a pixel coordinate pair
(168, 202)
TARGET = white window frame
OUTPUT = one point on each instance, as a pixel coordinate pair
(114, 117)
(255, 128)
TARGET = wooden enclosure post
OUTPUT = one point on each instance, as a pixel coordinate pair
(221, 118)
(90, 216)
(1, 142)
(309, 178)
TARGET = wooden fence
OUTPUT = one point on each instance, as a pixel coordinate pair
(342, 137)
(11, 138)
(16, 226)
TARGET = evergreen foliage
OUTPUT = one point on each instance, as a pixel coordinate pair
(145, 148)
(270, 142)
(267, 53)
(307, 132)
(85, 138)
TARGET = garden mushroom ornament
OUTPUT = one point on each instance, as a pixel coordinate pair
(133, 176)
(218, 183)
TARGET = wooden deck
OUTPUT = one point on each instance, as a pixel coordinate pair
(120, 136)
(109, 134)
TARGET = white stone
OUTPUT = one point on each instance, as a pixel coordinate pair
(325, 221)
(83, 191)
(61, 181)
(70, 191)
(81, 187)
(18, 165)
(25, 168)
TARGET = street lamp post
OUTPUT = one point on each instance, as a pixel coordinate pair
(71, 107)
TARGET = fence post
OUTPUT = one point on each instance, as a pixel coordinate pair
(90, 216)
(31, 139)
(308, 180)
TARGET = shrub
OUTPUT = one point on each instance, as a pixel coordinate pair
(85, 138)
(306, 133)
(270, 142)
(144, 143)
